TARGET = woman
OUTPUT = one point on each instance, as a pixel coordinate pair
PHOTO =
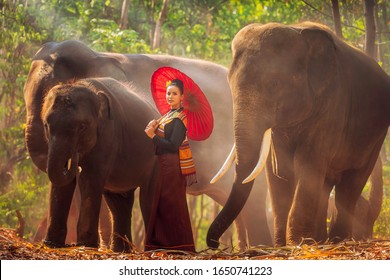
(170, 225)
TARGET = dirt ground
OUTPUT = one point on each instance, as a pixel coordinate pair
(13, 247)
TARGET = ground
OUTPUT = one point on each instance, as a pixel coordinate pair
(13, 247)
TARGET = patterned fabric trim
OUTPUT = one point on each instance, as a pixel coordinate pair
(187, 164)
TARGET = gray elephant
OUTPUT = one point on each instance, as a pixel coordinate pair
(60, 62)
(94, 131)
(322, 108)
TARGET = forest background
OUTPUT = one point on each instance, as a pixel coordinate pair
(200, 29)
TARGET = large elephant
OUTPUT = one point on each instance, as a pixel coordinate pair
(94, 130)
(324, 110)
(60, 62)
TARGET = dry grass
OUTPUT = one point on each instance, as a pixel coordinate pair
(13, 247)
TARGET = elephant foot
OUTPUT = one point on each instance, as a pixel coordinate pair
(280, 240)
(122, 246)
(53, 244)
(336, 239)
(88, 244)
(212, 244)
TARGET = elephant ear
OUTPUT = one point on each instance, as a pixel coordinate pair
(322, 63)
(103, 64)
(105, 105)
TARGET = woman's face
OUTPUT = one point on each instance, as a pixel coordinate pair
(174, 97)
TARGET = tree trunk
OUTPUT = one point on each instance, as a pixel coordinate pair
(152, 23)
(157, 31)
(124, 14)
(337, 18)
(385, 48)
(385, 32)
(21, 221)
(379, 29)
(370, 27)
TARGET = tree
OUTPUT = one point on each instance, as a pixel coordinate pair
(383, 37)
(21, 187)
(370, 27)
(160, 21)
(124, 14)
(337, 18)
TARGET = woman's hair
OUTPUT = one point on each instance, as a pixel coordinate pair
(179, 84)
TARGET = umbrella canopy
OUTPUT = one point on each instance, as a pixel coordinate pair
(200, 121)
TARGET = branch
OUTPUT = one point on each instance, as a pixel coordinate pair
(383, 43)
(7, 16)
(326, 15)
(21, 223)
(216, 6)
(314, 8)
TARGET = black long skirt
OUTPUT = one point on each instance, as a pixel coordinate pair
(169, 225)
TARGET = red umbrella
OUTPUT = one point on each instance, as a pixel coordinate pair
(200, 121)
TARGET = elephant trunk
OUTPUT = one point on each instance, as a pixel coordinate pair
(248, 141)
(229, 213)
(62, 165)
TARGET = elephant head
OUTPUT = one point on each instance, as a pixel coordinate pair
(70, 115)
(276, 83)
(56, 63)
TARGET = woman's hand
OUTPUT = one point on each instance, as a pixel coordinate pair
(151, 128)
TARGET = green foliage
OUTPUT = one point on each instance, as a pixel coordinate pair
(105, 35)
(28, 195)
(20, 187)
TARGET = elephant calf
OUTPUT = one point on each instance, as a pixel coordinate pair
(95, 134)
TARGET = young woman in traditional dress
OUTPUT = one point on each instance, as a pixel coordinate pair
(170, 226)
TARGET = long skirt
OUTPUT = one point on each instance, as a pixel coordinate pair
(169, 225)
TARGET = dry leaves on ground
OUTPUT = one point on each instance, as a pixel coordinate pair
(13, 247)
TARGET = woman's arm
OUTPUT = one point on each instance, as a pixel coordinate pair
(176, 138)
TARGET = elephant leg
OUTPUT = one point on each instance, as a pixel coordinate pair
(121, 206)
(257, 225)
(74, 211)
(105, 224)
(91, 191)
(347, 194)
(281, 188)
(322, 214)
(302, 221)
(361, 221)
(282, 194)
(60, 200)
(370, 208)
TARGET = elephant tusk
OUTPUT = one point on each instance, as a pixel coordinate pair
(265, 148)
(69, 164)
(228, 162)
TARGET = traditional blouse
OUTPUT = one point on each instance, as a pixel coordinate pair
(175, 133)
